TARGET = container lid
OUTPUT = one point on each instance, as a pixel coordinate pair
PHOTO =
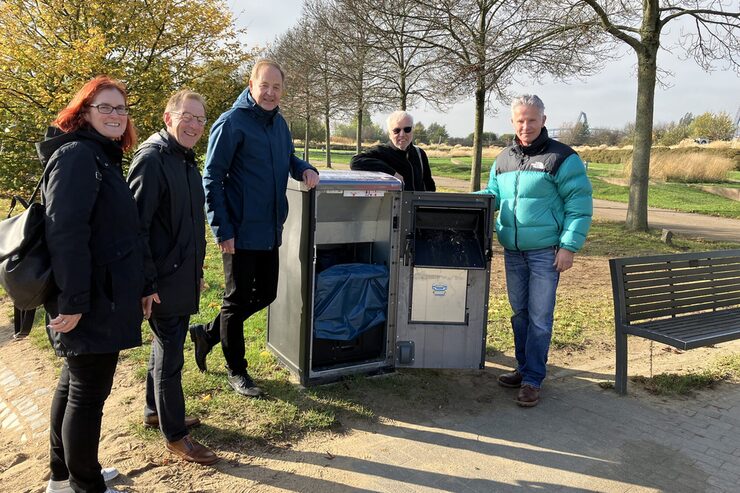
(352, 180)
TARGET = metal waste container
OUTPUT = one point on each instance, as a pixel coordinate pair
(373, 278)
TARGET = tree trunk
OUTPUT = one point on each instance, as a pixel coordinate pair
(328, 140)
(637, 208)
(305, 142)
(359, 129)
(480, 107)
(404, 95)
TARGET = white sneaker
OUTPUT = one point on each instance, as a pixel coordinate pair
(109, 473)
(59, 487)
(64, 487)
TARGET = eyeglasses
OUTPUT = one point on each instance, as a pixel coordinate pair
(189, 117)
(407, 130)
(107, 109)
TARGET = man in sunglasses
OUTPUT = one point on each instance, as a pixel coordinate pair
(399, 157)
(167, 187)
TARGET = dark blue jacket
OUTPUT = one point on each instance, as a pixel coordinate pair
(93, 234)
(250, 154)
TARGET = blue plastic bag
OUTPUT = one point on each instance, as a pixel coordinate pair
(349, 300)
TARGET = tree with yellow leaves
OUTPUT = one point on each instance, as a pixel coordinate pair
(49, 48)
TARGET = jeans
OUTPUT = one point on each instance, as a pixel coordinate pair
(76, 418)
(164, 396)
(531, 283)
(251, 285)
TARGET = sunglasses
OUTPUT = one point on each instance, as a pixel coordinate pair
(407, 130)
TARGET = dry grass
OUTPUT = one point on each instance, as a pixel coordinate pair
(687, 167)
(716, 144)
(445, 151)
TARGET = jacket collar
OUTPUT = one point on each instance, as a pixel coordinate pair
(56, 138)
(247, 102)
(535, 147)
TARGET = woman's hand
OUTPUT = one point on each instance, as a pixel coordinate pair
(64, 323)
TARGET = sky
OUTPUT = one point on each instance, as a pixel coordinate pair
(608, 98)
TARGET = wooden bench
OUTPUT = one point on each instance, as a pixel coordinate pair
(686, 300)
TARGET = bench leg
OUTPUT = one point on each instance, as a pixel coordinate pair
(620, 379)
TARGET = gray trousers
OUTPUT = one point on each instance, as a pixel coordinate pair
(164, 395)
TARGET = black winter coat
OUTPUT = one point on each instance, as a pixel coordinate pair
(92, 231)
(169, 193)
(388, 158)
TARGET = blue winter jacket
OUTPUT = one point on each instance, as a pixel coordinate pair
(542, 194)
(250, 153)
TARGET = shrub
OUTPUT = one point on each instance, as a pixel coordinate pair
(689, 167)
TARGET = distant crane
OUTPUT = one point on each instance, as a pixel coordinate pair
(737, 124)
(555, 132)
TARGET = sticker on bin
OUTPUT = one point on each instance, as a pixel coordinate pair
(439, 289)
(364, 193)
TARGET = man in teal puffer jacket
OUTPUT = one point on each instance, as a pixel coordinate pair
(250, 155)
(544, 201)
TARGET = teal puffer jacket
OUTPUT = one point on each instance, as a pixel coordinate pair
(543, 196)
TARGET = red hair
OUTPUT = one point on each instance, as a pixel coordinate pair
(72, 117)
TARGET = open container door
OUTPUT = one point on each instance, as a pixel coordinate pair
(443, 280)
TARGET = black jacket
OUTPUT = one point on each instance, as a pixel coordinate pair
(92, 230)
(390, 159)
(169, 193)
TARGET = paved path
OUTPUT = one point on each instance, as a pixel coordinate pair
(580, 438)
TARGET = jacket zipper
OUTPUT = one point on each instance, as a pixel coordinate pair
(516, 201)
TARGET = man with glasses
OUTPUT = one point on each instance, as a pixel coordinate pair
(399, 157)
(168, 190)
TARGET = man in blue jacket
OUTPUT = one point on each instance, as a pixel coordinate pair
(544, 201)
(250, 154)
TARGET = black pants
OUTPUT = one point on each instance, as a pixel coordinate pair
(251, 285)
(76, 416)
(164, 395)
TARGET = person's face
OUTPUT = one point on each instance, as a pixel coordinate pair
(111, 125)
(401, 132)
(183, 123)
(528, 123)
(267, 87)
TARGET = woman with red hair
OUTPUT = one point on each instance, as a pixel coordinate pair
(93, 235)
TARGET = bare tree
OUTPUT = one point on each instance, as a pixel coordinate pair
(352, 64)
(488, 42)
(295, 51)
(407, 64)
(713, 36)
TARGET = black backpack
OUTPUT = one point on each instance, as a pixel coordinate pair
(25, 264)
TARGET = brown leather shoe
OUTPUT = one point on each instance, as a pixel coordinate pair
(512, 380)
(528, 396)
(193, 451)
(153, 421)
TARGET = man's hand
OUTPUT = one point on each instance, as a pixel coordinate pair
(310, 178)
(227, 246)
(147, 302)
(202, 284)
(64, 323)
(563, 260)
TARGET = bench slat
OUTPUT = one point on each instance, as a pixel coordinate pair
(630, 267)
(709, 305)
(648, 304)
(671, 271)
(680, 294)
(678, 280)
(690, 289)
